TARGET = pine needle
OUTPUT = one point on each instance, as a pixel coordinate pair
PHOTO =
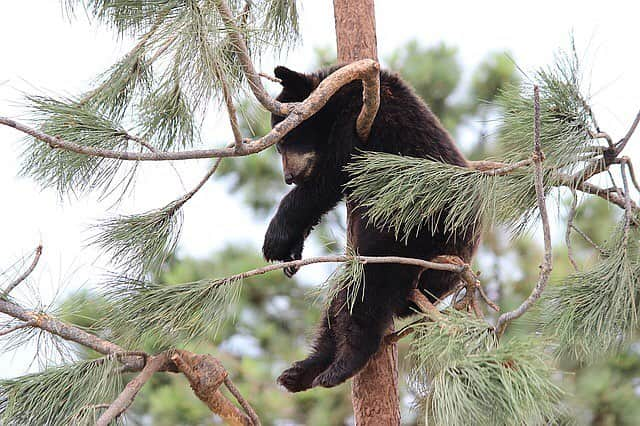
(595, 312)
(60, 396)
(348, 277)
(464, 376)
(141, 311)
(140, 243)
(406, 194)
(566, 120)
(68, 172)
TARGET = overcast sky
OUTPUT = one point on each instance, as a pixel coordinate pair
(41, 51)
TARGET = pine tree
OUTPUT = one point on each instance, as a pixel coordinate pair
(148, 106)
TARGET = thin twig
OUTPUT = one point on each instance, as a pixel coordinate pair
(12, 285)
(567, 235)
(440, 266)
(632, 173)
(248, 409)
(623, 142)
(547, 264)
(126, 397)
(588, 239)
(627, 197)
(16, 328)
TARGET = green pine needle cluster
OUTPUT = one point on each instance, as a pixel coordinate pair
(596, 311)
(118, 86)
(565, 117)
(406, 193)
(167, 117)
(66, 395)
(140, 243)
(126, 17)
(348, 278)
(68, 172)
(141, 310)
(464, 376)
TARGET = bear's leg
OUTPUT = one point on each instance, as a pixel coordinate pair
(301, 374)
(359, 333)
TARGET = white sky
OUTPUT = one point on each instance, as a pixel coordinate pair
(43, 51)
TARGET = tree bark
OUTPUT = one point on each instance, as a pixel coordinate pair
(355, 30)
(374, 392)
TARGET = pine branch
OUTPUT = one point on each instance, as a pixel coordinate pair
(547, 264)
(362, 70)
(462, 372)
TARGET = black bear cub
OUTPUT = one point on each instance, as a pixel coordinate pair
(313, 158)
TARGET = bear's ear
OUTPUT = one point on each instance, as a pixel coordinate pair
(291, 79)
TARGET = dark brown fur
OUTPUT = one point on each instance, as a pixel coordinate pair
(404, 125)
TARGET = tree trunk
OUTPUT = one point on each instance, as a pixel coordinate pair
(374, 392)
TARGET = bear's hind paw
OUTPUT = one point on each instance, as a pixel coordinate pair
(298, 378)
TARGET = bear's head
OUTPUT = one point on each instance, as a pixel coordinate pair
(301, 149)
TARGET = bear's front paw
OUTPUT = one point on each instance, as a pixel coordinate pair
(277, 246)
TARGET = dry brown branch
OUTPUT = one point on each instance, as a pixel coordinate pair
(12, 285)
(206, 374)
(126, 397)
(567, 235)
(547, 264)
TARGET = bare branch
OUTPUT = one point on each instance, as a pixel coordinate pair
(547, 264)
(567, 235)
(588, 239)
(425, 264)
(632, 173)
(370, 103)
(126, 397)
(623, 142)
(425, 305)
(12, 285)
